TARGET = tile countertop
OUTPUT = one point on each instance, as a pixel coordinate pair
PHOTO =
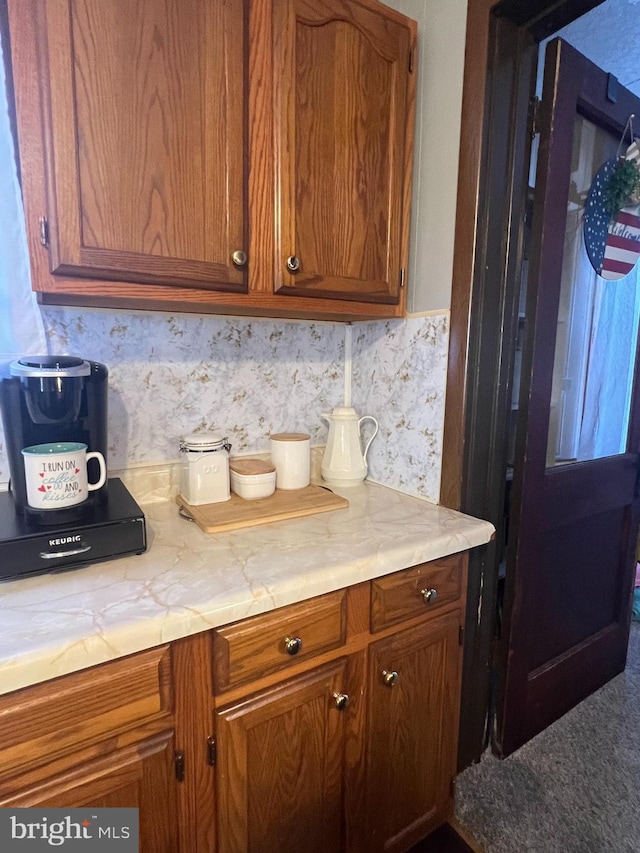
(189, 581)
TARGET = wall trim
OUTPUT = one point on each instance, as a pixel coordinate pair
(469, 172)
(439, 312)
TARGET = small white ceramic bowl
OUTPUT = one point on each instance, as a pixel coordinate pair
(252, 479)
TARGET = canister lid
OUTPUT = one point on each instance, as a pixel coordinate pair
(290, 436)
(203, 441)
(250, 466)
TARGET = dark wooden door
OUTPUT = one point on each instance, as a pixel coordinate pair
(341, 124)
(571, 553)
(146, 139)
(280, 767)
(414, 679)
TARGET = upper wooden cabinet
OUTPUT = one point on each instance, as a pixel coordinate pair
(146, 139)
(245, 157)
(339, 114)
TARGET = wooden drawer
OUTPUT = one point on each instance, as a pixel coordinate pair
(257, 646)
(42, 722)
(405, 594)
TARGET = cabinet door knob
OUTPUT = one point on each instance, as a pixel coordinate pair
(239, 258)
(389, 677)
(341, 700)
(293, 263)
(292, 645)
(429, 595)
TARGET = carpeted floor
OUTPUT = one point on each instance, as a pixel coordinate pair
(575, 788)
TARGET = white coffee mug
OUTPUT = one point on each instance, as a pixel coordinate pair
(56, 474)
(291, 457)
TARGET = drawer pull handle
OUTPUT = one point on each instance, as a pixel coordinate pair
(292, 645)
(52, 555)
(389, 677)
(429, 595)
(341, 700)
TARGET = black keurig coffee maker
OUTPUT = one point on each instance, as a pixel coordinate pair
(53, 399)
(61, 402)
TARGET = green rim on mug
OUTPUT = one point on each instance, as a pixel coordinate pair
(57, 447)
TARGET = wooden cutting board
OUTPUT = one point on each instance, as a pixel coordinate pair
(237, 512)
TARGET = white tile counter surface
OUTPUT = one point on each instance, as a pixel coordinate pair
(189, 581)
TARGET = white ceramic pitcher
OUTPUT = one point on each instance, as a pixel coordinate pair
(344, 463)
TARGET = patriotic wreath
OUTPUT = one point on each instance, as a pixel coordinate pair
(612, 216)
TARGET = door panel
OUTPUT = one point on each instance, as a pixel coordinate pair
(146, 139)
(340, 148)
(571, 554)
(585, 600)
(410, 736)
(280, 767)
(588, 489)
(140, 776)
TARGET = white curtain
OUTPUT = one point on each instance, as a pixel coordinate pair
(609, 380)
(21, 328)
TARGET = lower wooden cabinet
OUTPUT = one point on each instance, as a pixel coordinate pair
(345, 745)
(412, 731)
(140, 776)
(352, 750)
(100, 738)
(281, 766)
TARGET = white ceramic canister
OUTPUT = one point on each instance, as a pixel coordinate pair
(252, 479)
(204, 469)
(291, 456)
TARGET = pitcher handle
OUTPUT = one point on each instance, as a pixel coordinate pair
(325, 416)
(375, 432)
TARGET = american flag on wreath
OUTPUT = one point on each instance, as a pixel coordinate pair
(613, 246)
(622, 245)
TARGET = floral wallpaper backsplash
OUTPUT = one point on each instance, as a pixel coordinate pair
(399, 377)
(170, 375)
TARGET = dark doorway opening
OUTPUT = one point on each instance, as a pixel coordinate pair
(494, 213)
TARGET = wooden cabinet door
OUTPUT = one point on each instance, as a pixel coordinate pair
(145, 139)
(280, 767)
(140, 776)
(412, 732)
(342, 104)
